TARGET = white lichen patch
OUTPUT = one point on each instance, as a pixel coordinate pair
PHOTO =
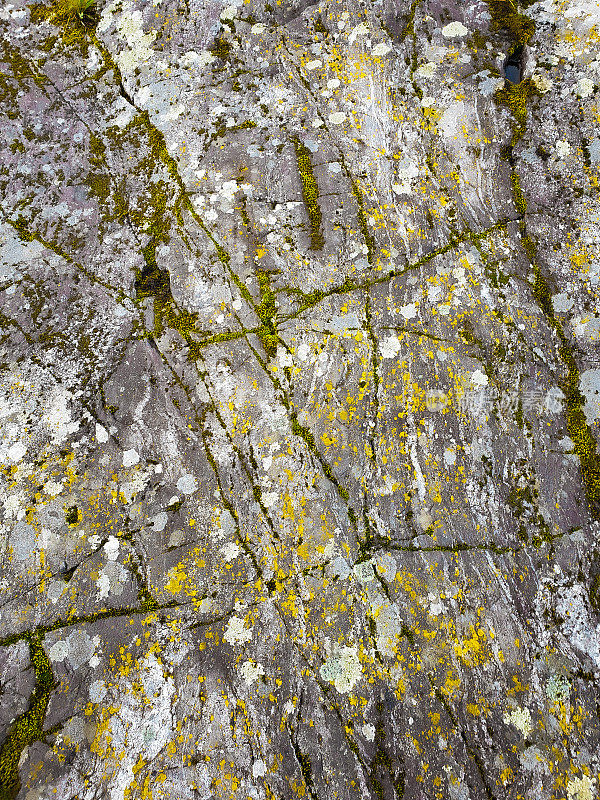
(521, 719)
(364, 571)
(141, 727)
(101, 434)
(130, 458)
(53, 488)
(390, 347)
(579, 628)
(236, 632)
(337, 117)
(479, 379)
(230, 551)
(14, 254)
(381, 49)
(343, 669)
(454, 29)
(259, 768)
(78, 649)
(23, 541)
(57, 416)
(409, 311)
(16, 452)
(585, 87)
(187, 484)
(111, 581)
(139, 49)
(111, 548)
(97, 691)
(582, 788)
(251, 671)
(368, 731)
(541, 83)
(561, 302)
(558, 688)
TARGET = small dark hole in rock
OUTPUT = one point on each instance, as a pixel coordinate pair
(72, 515)
(513, 66)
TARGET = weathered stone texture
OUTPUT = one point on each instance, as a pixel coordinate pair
(300, 400)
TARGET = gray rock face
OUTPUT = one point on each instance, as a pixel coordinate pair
(299, 400)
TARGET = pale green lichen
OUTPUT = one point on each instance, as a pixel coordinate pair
(521, 719)
(343, 669)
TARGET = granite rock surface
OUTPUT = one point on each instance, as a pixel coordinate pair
(299, 400)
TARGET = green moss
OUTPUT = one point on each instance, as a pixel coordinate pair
(75, 18)
(506, 16)
(409, 26)
(73, 515)
(542, 294)
(154, 282)
(22, 70)
(28, 727)
(267, 313)
(577, 427)
(595, 593)
(319, 27)
(519, 413)
(524, 500)
(99, 186)
(579, 431)
(267, 308)
(310, 193)
(221, 48)
(362, 220)
(518, 196)
(144, 596)
(515, 97)
(223, 130)
(382, 763)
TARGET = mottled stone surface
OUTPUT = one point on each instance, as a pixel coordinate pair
(300, 396)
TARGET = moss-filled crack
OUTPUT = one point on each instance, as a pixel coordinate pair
(375, 377)
(362, 217)
(85, 619)
(267, 313)
(160, 154)
(305, 765)
(20, 226)
(311, 299)
(515, 96)
(29, 726)
(310, 193)
(266, 310)
(460, 547)
(471, 752)
(145, 598)
(506, 16)
(200, 420)
(305, 434)
(356, 191)
(383, 762)
(409, 27)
